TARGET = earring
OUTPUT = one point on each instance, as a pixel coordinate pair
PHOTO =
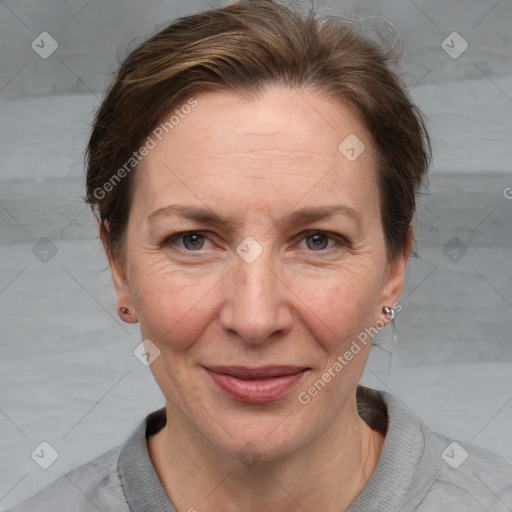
(391, 311)
(126, 315)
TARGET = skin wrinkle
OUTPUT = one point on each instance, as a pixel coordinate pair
(287, 307)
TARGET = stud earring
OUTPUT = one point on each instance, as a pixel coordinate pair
(127, 315)
(391, 312)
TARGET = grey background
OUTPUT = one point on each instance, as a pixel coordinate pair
(67, 370)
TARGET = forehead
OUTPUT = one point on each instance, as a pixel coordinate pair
(283, 140)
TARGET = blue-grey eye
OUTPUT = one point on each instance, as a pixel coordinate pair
(193, 242)
(318, 241)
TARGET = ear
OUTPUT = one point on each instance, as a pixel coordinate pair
(125, 308)
(394, 279)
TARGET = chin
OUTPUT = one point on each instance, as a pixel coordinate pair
(260, 437)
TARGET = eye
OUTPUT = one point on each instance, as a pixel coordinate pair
(193, 241)
(188, 241)
(317, 241)
(320, 240)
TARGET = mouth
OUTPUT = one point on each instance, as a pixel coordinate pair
(256, 385)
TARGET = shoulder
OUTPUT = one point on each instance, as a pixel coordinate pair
(422, 470)
(467, 479)
(90, 487)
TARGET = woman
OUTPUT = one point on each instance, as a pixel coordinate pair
(254, 174)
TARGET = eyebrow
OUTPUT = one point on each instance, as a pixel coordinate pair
(298, 217)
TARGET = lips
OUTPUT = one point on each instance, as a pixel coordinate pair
(264, 372)
(256, 385)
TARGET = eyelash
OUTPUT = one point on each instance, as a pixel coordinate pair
(339, 240)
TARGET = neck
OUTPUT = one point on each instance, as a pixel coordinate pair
(326, 474)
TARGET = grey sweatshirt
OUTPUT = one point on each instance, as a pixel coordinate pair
(418, 470)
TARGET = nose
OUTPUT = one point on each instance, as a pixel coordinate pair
(257, 306)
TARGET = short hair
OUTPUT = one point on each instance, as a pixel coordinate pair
(243, 48)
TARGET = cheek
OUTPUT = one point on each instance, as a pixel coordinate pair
(340, 306)
(173, 307)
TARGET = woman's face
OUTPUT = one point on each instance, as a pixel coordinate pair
(283, 264)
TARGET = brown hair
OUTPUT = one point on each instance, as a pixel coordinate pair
(242, 48)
